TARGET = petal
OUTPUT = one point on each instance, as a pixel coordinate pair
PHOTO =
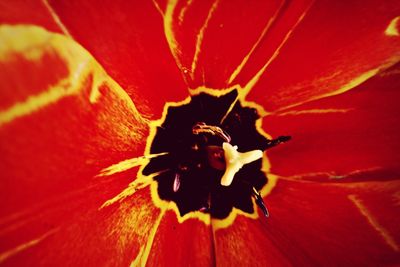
(56, 134)
(245, 241)
(131, 46)
(212, 38)
(344, 136)
(27, 12)
(319, 225)
(77, 233)
(321, 55)
(181, 244)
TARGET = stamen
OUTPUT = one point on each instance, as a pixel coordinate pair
(177, 182)
(277, 141)
(260, 202)
(235, 161)
(201, 127)
(202, 159)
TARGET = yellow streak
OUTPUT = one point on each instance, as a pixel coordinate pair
(391, 29)
(200, 35)
(158, 8)
(183, 11)
(246, 58)
(353, 83)
(229, 110)
(331, 174)
(374, 223)
(205, 218)
(127, 164)
(9, 253)
(137, 260)
(142, 257)
(29, 41)
(56, 18)
(350, 85)
(140, 183)
(169, 33)
(34, 103)
(256, 77)
(32, 43)
(312, 111)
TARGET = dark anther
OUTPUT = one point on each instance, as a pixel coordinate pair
(277, 141)
(212, 156)
(260, 202)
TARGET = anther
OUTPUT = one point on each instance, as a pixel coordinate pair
(177, 182)
(260, 202)
(201, 127)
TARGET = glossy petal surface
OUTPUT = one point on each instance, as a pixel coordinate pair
(131, 47)
(57, 133)
(359, 128)
(314, 224)
(73, 126)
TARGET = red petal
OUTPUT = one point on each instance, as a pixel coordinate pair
(246, 242)
(76, 232)
(324, 55)
(318, 225)
(27, 12)
(181, 244)
(342, 136)
(131, 47)
(63, 129)
(214, 37)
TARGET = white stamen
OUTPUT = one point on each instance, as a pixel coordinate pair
(235, 161)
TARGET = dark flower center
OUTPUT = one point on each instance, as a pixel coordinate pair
(192, 136)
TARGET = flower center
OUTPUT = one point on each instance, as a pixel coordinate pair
(212, 161)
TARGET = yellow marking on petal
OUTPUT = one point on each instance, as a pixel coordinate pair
(392, 29)
(142, 257)
(353, 83)
(205, 218)
(140, 183)
(12, 252)
(163, 204)
(312, 111)
(350, 84)
(169, 32)
(127, 164)
(229, 110)
(200, 35)
(32, 43)
(32, 104)
(29, 41)
(333, 175)
(184, 10)
(137, 260)
(246, 58)
(56, 18)
(158, 8)
(224, 223)
(258, 75)
(374, 222)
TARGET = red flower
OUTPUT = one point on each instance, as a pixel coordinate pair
(326, 73)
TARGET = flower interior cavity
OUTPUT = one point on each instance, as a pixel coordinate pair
(212, 156)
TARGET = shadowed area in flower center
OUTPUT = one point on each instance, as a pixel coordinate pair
(187, 175)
